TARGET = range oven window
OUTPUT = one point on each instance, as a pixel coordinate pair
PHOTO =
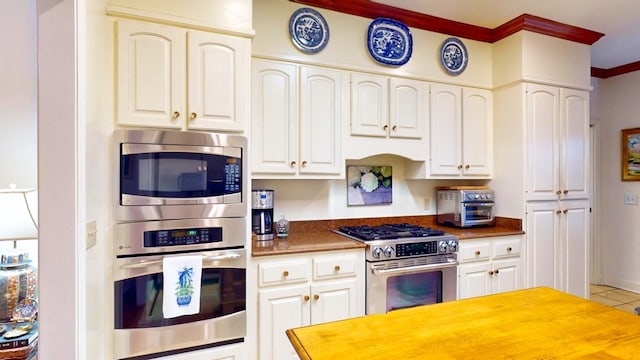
(138, 300)
(423, 288)
(180, 174)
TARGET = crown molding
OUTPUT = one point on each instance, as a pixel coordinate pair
(615, 71)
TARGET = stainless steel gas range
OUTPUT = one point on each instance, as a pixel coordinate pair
(406, 265)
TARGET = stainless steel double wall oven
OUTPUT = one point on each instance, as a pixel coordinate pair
(178, 194)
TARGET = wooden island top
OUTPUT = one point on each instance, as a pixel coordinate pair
(537, 323)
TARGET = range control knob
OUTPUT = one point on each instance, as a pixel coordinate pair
(443, 246)
(376, 252)
(453, 245)
(388, 251)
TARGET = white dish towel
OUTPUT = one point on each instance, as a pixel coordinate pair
(182, 277)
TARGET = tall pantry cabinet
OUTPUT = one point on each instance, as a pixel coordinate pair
(554, 155)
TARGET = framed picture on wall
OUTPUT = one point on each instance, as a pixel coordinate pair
(630, 154)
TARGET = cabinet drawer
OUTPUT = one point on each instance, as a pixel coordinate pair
(506, 248)
(324, 268)
(283, 273)
(474, 251)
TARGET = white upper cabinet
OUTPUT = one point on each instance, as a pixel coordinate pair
(170, 77)
(388, 107)
(461, 132)
(557, 139)
(297, 113)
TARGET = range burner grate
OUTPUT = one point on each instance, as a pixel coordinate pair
(389, 231)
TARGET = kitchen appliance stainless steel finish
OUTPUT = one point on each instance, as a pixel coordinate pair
(465, 207)
(140, 327)
(165, 174)
(262, 214)
(406, 265)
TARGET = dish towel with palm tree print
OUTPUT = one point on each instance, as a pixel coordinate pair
(181, 285)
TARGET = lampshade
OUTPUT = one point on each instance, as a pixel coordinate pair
(18, 214)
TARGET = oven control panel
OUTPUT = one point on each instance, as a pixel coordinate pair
(418, 248)
(398, 250)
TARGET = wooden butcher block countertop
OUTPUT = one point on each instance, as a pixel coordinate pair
(538, 323)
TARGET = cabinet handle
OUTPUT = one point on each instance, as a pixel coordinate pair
(477, 252)
(459, 167)
(316, 297)
(176, 114)
(385, 128)
(193, 116)
(496, 271)
(292, 164)
(306, 298)
(509, 249)
(336, 268)
(285, 273)
(466, 166)
(490, 273)
(394, 127)
(304, 163)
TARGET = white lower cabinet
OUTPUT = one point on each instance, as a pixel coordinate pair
(300, 290)
(227, 352)
(489, 266)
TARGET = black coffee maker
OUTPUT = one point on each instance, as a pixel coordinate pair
(262, 214)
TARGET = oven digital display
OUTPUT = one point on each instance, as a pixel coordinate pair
(176, 237)
(418, 248)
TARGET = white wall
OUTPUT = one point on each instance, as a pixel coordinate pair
(618, 108)
(18, 118)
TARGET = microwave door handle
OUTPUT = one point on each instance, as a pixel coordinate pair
(411, 269)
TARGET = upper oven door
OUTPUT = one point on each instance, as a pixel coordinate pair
(138, 289)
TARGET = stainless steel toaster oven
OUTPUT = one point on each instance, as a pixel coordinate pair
(465, 207)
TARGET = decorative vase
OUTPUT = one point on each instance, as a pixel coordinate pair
(183, 300)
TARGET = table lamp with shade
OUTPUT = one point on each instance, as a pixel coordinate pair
(18, 221)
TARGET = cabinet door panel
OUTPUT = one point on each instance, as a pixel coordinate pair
(216, 74)
(542, 248)
(477, 143)
(335, 300)
(320, 119)
(574, 165)
(408, 108)
(506, 276)
(151, 72)
(281, 309)
(370, 109)
(274, 123)
(575, 231)
(474, 280)
(446, 120)
(543, 142)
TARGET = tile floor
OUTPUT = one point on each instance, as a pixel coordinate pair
(620, 299)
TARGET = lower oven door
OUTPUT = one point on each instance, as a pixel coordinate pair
(402, 284)
(140, 327)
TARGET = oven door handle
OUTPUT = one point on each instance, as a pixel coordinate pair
(487, 204)
(144, 264)
(411, 269)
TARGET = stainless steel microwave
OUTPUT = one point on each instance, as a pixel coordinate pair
(168, 174)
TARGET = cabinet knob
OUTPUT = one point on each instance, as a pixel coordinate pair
(285, 273)
(477, 252)
(385, 128)
(316, 297)
(176, 114)
(467, 166)
(566, 192)
(565, 211)
(496, 271)
(490, 272)
(558, 212)
(306, 298)
(193, 116)
(304, 163)
(292, 164)
(459, 167)
(509, 249)
(336, 268)
(558, 192)
(394, 127)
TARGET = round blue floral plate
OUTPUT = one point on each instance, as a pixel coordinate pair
(453, 56)
(389, 42)
(309, 30)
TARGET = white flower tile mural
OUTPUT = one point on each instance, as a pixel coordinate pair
(369, 185)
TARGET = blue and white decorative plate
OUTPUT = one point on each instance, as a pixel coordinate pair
(453, 56)
(389, 42)
(309, 30)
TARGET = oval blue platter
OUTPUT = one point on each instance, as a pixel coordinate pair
(453, 56)
(389, 42)
(309, 30)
